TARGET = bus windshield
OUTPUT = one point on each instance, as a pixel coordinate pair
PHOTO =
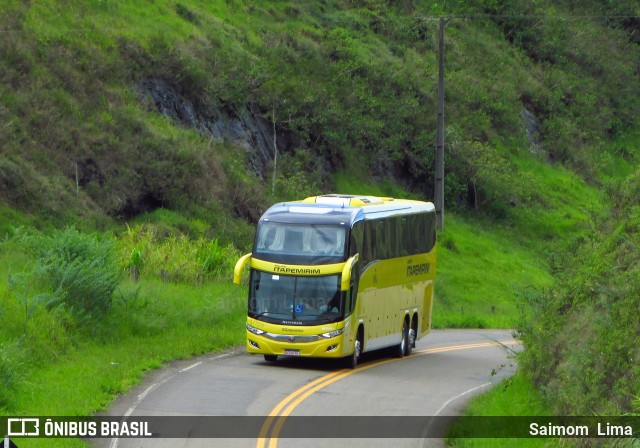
(284, 297)
(300, 239)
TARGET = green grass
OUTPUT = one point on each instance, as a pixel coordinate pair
(485, 266)
(179, 322)
(562, 202)
(171, 321)
(54, 363)
(514, 396)
(11, 218)
(481, 270)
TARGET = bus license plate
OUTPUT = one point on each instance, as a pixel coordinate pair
(292, 352)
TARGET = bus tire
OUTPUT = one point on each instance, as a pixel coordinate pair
(271, 358)
(402, 346)
(352, 360)
(411, 342)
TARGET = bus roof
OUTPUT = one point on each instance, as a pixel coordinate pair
(342, 209)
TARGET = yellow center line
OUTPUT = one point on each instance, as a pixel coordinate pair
(274, 412)
(275, 422)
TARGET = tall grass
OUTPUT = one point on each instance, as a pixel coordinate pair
(174, 257)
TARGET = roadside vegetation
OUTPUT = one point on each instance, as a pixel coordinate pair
(77, 330)
(137, 153)
(515, 396)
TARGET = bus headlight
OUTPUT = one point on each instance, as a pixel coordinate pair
(254, 330)
(332, 334)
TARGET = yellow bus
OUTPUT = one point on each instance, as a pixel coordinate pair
(335, 276)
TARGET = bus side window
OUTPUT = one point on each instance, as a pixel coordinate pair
(356, 242)
(431, 231)
(370, 249)
(390, 240)
(364, 249)
(423, 233)
(403, 237)
(411, 230)
(380, 243)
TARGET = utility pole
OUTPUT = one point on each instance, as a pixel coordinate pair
(439, 190)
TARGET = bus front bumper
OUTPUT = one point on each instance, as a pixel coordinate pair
(323, 348)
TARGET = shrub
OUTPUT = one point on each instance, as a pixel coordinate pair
(73, 270)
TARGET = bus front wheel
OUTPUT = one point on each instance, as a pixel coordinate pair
(352, 360)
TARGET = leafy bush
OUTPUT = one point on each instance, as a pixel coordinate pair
(57, 284)
(74, 270)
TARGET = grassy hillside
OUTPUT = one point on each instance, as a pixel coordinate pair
(340, 80)
(601, 286)
(149, 128)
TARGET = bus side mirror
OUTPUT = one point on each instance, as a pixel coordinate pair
(346, 272)
(237, 271)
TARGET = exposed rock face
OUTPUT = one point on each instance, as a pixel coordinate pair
(247, 127)
(168, 101)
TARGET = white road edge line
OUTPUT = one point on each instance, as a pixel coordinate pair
(442, 408)
(147, 391)
(191, 367)
(115, 441)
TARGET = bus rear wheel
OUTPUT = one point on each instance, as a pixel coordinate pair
(271, 358)
(401, 348)
(411, 342)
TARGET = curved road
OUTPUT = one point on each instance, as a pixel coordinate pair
(446, 368)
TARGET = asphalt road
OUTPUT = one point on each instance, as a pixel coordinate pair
(446, 368)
